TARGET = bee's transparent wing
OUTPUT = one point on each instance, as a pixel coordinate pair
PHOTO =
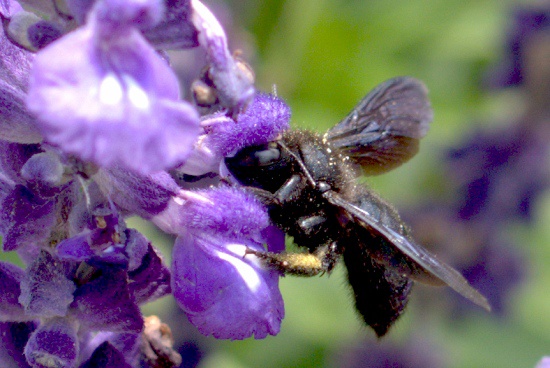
(400, 252)
(383, 130)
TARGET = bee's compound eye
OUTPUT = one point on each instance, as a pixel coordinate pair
(268, 156)
(255, 156)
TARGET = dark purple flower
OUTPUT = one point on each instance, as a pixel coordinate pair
(53, 344)
(415, 352)
(528, 22)
(10, 279)
(13, 338)
(105, 356)
(25, 219)
(495, 270)
(104, 94)
(105, 303)
(500, 173)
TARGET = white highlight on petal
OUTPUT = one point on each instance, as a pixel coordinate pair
(110, 90)
(247, 272)
(136, 95)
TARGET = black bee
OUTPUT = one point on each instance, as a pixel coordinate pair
(308, 183)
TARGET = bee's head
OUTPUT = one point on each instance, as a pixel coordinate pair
(264, 166)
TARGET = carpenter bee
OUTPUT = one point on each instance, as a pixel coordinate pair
(308, 183)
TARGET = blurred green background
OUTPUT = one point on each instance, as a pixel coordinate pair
(322, 57)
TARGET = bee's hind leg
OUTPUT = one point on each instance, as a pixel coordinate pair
(301, 264)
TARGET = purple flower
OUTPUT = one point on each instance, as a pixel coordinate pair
(266, 117)
(53, 344)
(500, 173)
(223, 291)
(142, 195)
(13, 338)
(104, 94)
(528, 22)
(90, 124)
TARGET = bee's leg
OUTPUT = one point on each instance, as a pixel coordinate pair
(288, 189)
(301, 264)
(283, 194)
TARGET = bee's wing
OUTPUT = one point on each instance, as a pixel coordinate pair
(383, 130)
(403, 254)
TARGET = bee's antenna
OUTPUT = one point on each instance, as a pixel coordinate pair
(300, 163)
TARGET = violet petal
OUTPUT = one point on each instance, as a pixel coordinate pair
(25, 219)
(106, 356)
(16, 123)
(233, 84)
(53, 344)
(104, 303)
(151, 280)
(13, 338)
(264, 119)
(10, 279)
(111, 100)
(46, 291)
(142, 195)
(224, 293)
(175, 30)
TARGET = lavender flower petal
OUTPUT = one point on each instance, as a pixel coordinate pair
(544, 363)
(9, 7)
(142, 195)
(77, 248)
(226, 211)
(111, 100)
(223, 293)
